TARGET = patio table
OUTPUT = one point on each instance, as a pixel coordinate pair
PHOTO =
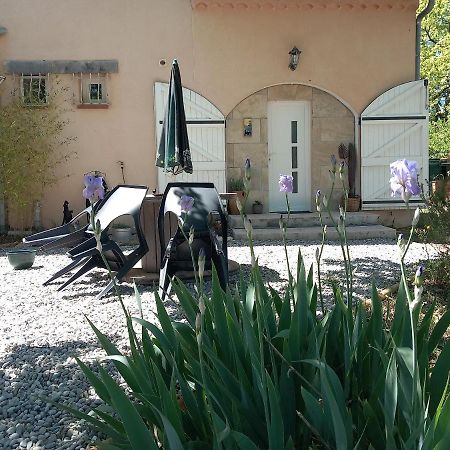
(150, 263)
(149, 216)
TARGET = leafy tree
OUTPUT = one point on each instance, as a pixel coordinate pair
(435, 65)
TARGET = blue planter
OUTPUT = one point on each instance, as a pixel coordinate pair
(22, 258)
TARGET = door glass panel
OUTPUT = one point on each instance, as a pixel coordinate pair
(295, 182)
(294, 131)
(294, 158)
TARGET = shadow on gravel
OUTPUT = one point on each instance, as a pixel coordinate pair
(269, 275)
(366, 270)
(28, 372)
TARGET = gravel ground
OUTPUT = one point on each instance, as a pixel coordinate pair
(41, 331)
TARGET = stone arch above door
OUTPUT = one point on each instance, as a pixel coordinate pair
(332, 123)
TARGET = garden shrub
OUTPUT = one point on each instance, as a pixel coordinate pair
(435, 229)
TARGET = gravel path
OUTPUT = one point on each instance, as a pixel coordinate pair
(41, 331)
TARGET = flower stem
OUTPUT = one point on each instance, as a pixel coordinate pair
(318, 263)
(97, 236)
(411, 319)
(284, 226)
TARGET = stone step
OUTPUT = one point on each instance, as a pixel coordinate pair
(354, 232)
(303, 220)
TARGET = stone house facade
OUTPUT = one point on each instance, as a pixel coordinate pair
(234, 58)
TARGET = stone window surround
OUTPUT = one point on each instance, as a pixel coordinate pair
(332, 123)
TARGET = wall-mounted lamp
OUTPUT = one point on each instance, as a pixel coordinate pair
(295, 56)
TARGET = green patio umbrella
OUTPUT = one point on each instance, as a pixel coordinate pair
(174, 154)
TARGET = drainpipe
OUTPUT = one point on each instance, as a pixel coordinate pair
(419, 18)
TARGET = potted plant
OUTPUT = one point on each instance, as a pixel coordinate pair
(121, 232)
(235, 186)
(440, 185)
(348, 154)
(21, 258)
(257, 207)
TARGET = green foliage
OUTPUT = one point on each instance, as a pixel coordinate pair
(250, 369)
(435, 229)
(235, 184)
(440, 138)
(31, 141)
(435, 66)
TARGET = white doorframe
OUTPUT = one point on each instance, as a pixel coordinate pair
(289, 151)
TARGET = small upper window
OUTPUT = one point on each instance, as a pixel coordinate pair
(34, 89)
(93, 90)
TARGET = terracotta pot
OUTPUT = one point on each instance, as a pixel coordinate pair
(442, 186)
(353, 203)
(232, 202)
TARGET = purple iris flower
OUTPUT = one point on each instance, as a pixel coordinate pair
(186, 203)
(93, 188)
(404, 179)
(420, 270)
(286, 183)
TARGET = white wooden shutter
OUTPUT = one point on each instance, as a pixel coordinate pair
(206, 130)
(394, 126)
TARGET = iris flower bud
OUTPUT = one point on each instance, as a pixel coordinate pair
(201, 263)
(341, 224)
(342, 170)
(419, 278)
(415, 219)
(248, 225)
(282, 223)
(198, 322)
(333, 163)
(318, 201)
(239, 204)
(98, 228)
(401, 242)
(201, 305)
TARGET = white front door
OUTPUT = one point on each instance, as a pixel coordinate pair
(289, 137)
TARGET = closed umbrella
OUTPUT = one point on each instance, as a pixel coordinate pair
(174, 154)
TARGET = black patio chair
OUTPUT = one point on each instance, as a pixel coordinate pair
(122, 200)
(207, 217)
(67, 235)
(73, 235)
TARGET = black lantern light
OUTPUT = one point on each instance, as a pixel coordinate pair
(295, 56)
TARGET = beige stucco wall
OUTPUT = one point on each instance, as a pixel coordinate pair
(226, 53)
(332, 124)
